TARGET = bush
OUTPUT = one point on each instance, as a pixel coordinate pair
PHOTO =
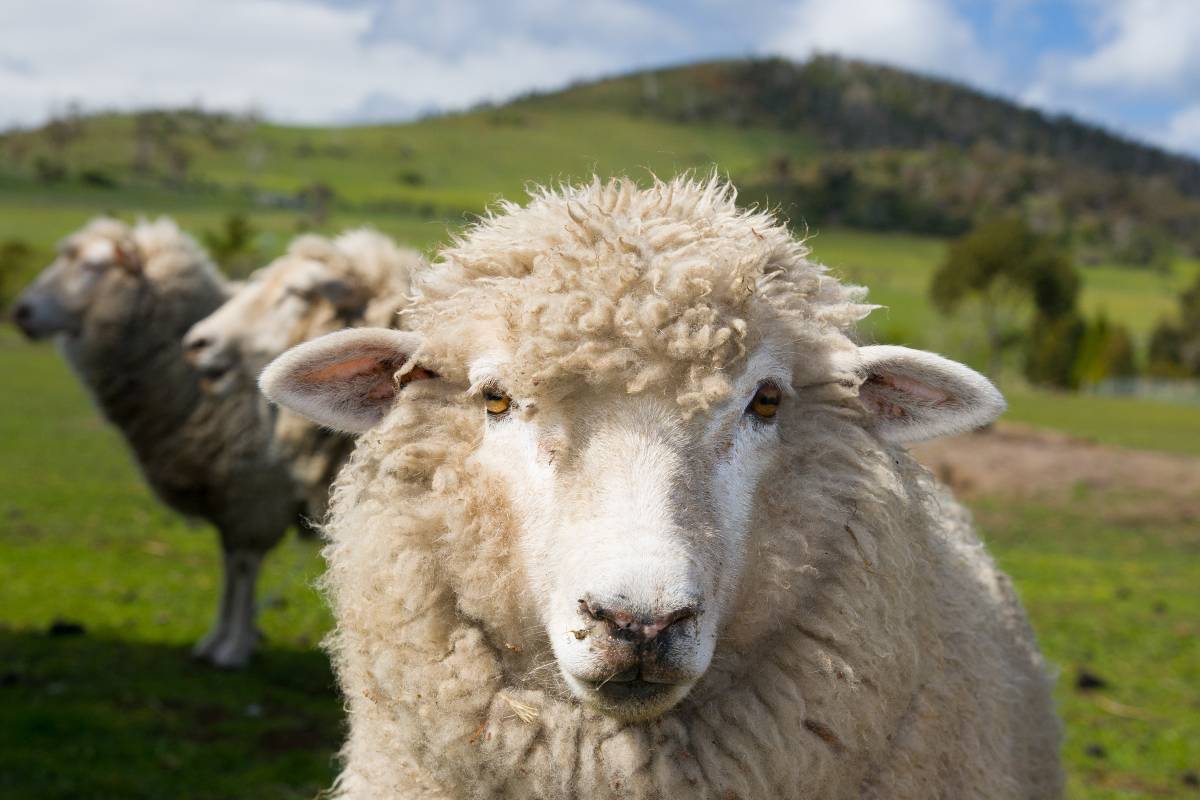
(1106, 352)
(411, 177)
(1052, 349)
(49, 170)
(98, 178)
(1175, 345)
(233, 246)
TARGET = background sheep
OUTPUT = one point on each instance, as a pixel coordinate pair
(317, 286)
(118, 300)
(679, 550)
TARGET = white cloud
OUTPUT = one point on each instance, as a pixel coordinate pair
(925, 35)
(301, 62)
(1146, 45)
(1183, 131)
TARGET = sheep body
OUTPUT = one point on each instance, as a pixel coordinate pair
(871, 649)
(205, 457)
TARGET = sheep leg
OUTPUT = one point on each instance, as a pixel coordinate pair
(242, 636)
(207, 646)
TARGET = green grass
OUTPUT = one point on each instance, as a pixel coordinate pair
(122, 711)
(1122, 421)
(459, 161)
(1118, 601)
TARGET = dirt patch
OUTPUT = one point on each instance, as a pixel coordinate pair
(1020, 461)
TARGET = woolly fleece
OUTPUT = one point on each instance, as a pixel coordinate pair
(874, 649)
(373, 276)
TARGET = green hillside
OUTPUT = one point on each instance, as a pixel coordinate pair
(418, 180)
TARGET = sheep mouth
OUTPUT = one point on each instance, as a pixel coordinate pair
(215, 378)
(636, 690)
(632, 695)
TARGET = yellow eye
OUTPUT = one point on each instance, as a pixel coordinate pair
(496, 403)
(766, 401)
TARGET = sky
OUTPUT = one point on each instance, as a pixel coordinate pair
(1132, 66)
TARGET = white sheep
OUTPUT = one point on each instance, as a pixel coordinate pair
(631, 518)
(317, 286)
(118, 299)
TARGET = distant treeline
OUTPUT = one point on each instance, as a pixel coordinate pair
(900, 151)
(1104, 216)
(851, 105)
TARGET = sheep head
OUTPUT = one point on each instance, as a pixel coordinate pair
(102, 260)
(304, 293)
(636, 392)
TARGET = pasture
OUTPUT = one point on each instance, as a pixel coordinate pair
(102, 590)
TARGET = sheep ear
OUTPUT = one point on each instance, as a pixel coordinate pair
(346, 380)
(913, 395)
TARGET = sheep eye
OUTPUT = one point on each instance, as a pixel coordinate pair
(766, 401)
(496, 402)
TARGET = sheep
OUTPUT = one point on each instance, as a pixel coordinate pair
(631, 516)
(317, 286)
(118, 299)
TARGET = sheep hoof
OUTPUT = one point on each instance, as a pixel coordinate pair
(204, 649)
(235, 652)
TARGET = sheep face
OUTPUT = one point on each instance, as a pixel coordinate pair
(629, 517)
(632, 524)
(276, 309)
(586, 420)
(87, 267)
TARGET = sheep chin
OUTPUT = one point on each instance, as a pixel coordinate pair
(643, 704)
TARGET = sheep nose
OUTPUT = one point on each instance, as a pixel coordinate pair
(195, 344)
(631, 626)
(22, 315)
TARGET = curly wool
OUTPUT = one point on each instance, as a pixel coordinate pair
(874, 649)
(616, 285)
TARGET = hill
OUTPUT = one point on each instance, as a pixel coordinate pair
(897, 151)
(851, 105)
(730, 112)
(836, 144)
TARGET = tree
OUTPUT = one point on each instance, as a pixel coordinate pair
(1052, 347)
(233, 246)
(1107, 351)
(1175, 345)
(1003, 265)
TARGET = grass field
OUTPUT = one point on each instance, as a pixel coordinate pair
(119, 709)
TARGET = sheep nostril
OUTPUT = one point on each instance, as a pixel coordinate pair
(632, 626)
(197, 343)
(22, 317)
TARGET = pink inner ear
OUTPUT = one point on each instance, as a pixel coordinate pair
(890, 395)
(344, 370)
(374, 375)
(923, 392)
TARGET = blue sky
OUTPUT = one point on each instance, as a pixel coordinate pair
(1130, 65)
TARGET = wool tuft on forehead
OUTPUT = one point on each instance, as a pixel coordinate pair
(613, 283)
